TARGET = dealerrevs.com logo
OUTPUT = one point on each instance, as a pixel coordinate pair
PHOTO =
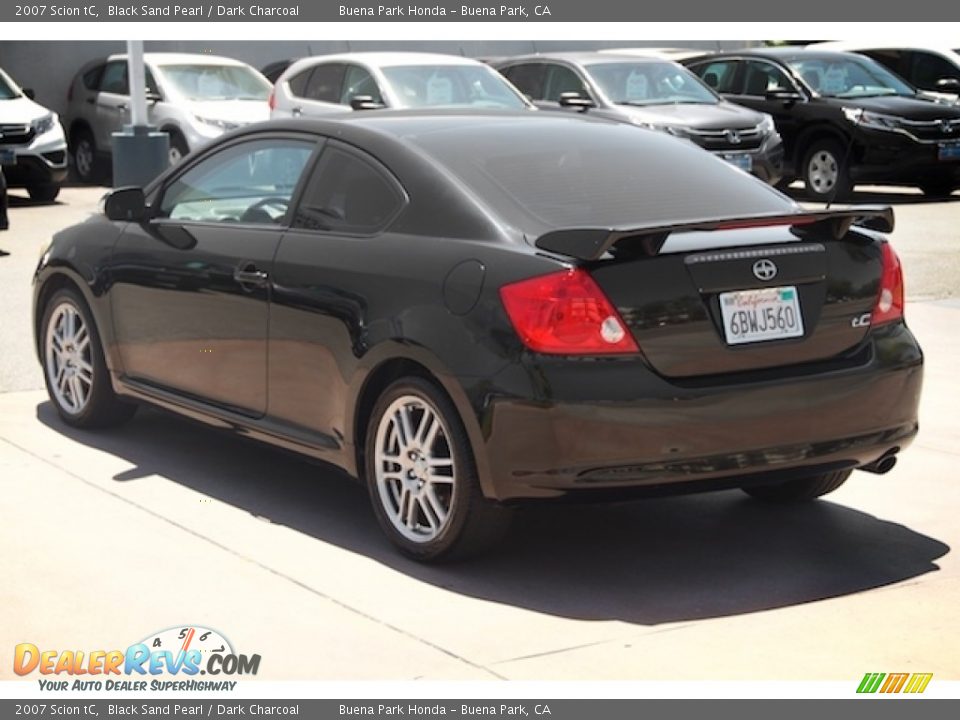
(183, 653)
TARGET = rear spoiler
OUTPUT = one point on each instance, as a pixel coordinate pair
(592, 243)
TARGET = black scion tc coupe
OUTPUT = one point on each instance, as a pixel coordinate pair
(467, 311)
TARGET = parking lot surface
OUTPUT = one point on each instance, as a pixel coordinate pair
(107, 537)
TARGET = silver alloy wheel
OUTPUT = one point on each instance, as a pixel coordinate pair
(823, 171)
(83, 157)
(414, 468)
(69, 361)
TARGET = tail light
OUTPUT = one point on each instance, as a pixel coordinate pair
(889, 305)
(272, 100)
(566, 313)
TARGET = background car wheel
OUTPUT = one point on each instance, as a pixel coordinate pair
(825, 171)
(938, 189)
(85, 160)
(802, 489)
(75, 371)
(422, 479)
(43, 193)
(178, 148)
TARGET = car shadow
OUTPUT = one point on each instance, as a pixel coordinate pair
(871, 195)
(646, 562)
(19, 201)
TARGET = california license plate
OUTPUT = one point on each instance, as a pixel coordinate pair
(949, 151)
(8, 157)
(744, 162)
(751, 316)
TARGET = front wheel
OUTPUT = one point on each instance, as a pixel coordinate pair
(422, 479)
(75, 371)
(826, 174)
(178, 149)
(938, 189)
(800, 490)
(44, 193)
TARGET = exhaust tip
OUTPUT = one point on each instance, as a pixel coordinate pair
(882, 466)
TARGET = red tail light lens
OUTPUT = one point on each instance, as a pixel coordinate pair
(566, 313)
(889, 305)
(272, 101)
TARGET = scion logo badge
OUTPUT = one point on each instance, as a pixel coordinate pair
(764, 269)
(888, 683)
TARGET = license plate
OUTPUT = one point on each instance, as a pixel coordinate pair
(949, 151)
(751, 316)
(744, 162)
(8, 157)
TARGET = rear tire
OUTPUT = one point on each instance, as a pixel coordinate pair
(74, 369)
(799, 490)
(938, 190)
(178, 148)
(826, 172)
(422, 478)
(86, 163)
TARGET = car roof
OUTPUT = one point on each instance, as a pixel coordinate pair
(855, 45)
(389, 59)
(581, 57)
(182, 59)
(782, 54)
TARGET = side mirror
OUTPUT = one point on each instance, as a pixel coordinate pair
(29, 92)
(575, 100)
(365, 102)
(126, 204)
(950, 84)
(786, 96)
(152, 97)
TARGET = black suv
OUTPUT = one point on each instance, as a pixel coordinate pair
(844, 118)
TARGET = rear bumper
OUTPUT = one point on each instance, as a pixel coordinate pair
(561, 427)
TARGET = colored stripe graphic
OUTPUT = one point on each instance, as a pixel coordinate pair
(895, 682)
(918, 683)
(870, 682)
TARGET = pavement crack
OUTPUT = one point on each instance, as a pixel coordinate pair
(257, 563)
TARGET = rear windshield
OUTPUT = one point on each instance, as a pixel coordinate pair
(575, 173)
(216, 82)
(418, 86)
(7, 90)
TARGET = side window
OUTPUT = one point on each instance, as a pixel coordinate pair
(926, 68)
(359, 81)
(91, 78)
(298, 83)
(114, 79)
(527, 78)
(325, 82)
(251, 182)
(763, 77)
(560, 80)
(151, 83)
(719, 76)
(348, 194)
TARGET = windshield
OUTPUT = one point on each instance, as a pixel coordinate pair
(216, 82)
(7, 89)
(649, 83)
(418, 86)
(849, 77)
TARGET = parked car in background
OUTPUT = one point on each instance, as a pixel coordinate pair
(844, 118)
(326, 84)
(33, 149)
(273, 71)
(927, 67)
(193, 98)
(652, 93)
(470, 309)
(675, 54)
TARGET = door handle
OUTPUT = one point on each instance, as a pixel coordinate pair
(249, 276)
(297, 111)
(121, 107)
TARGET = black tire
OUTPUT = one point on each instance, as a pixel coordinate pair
(102, 407)
(472, 522)
(938, 189)
(44, 193)
(799, 490)
(826, 157)
(84, 156)
(178, 148)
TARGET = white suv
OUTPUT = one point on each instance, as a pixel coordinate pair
(368, 80)
(194, 98)
(33, 150)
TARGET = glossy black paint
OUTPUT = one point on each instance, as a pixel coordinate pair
(875, 155)
(298, 359)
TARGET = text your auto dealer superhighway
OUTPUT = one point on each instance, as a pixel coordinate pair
(202, 11)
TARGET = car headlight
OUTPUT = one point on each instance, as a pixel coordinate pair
(865, 118)
(676, 130)
(766, 126)
(44, 124)
(217, 123)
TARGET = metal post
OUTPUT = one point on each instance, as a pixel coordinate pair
(138, 83)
